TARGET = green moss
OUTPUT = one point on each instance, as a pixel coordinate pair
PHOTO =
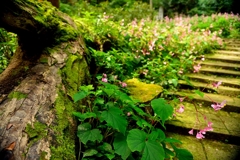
(44, 60)
(142, 91)
(43, 155)
(17, 95)
(64, 147)
(36, 132)
(74, 73)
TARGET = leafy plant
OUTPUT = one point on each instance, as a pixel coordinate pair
(8, 44)
(113, 125)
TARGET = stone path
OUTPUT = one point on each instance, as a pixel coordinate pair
(223, 143)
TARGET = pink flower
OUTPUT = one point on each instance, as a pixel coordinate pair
(200, 135)
(208, 128)
(216, 85)
(104, 80)
(128, 114)
(181, 99)
(191, 132)
(210, 124)
(123, 84)
(218, 106)
(196, 68)
(181, 109)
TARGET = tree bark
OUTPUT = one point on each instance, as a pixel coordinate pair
(46, 70)
(55, 3)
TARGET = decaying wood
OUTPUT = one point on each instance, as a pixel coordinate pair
(27, 75)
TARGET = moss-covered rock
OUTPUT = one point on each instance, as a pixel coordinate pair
(143, 91)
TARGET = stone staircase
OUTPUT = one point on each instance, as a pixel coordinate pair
(223, 143)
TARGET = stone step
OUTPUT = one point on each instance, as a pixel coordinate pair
(206, 149)
(233, 44)
(221, 71)
(220, 64)
(232, 48)
(234, 82)
(227, 52)
(232, 105)
(196, 117)
(229, 41)
(223, 90)
(229, 58)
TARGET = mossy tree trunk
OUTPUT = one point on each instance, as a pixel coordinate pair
(36, 88)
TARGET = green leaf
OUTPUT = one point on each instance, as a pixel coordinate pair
(90, 152)
(114, 119)
(161, 135)
(201, 94)
(153, 151)
(175, 82)
(121, 147)
(136, 140)
(172, 140)
(122, 96)
(87, 88)
(110, 86)
(168, 153)
(99, 101)
(138, 110)
(106, 147)
(109, 92)
(142, 123)
(110, 156)
(83, 116)
(86, 134)
(183, 154)
(153, 136)
(79, 95)
(162, 109)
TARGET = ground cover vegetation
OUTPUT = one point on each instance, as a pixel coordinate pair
(127, 42)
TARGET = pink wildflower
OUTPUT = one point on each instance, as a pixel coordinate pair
(181, 99)
(191, 132)
(123, 84)
(200, 135)
(209, 127)
(104, 80)
(216, 85)
(181, 109)
(218, 106)
(196, 68)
